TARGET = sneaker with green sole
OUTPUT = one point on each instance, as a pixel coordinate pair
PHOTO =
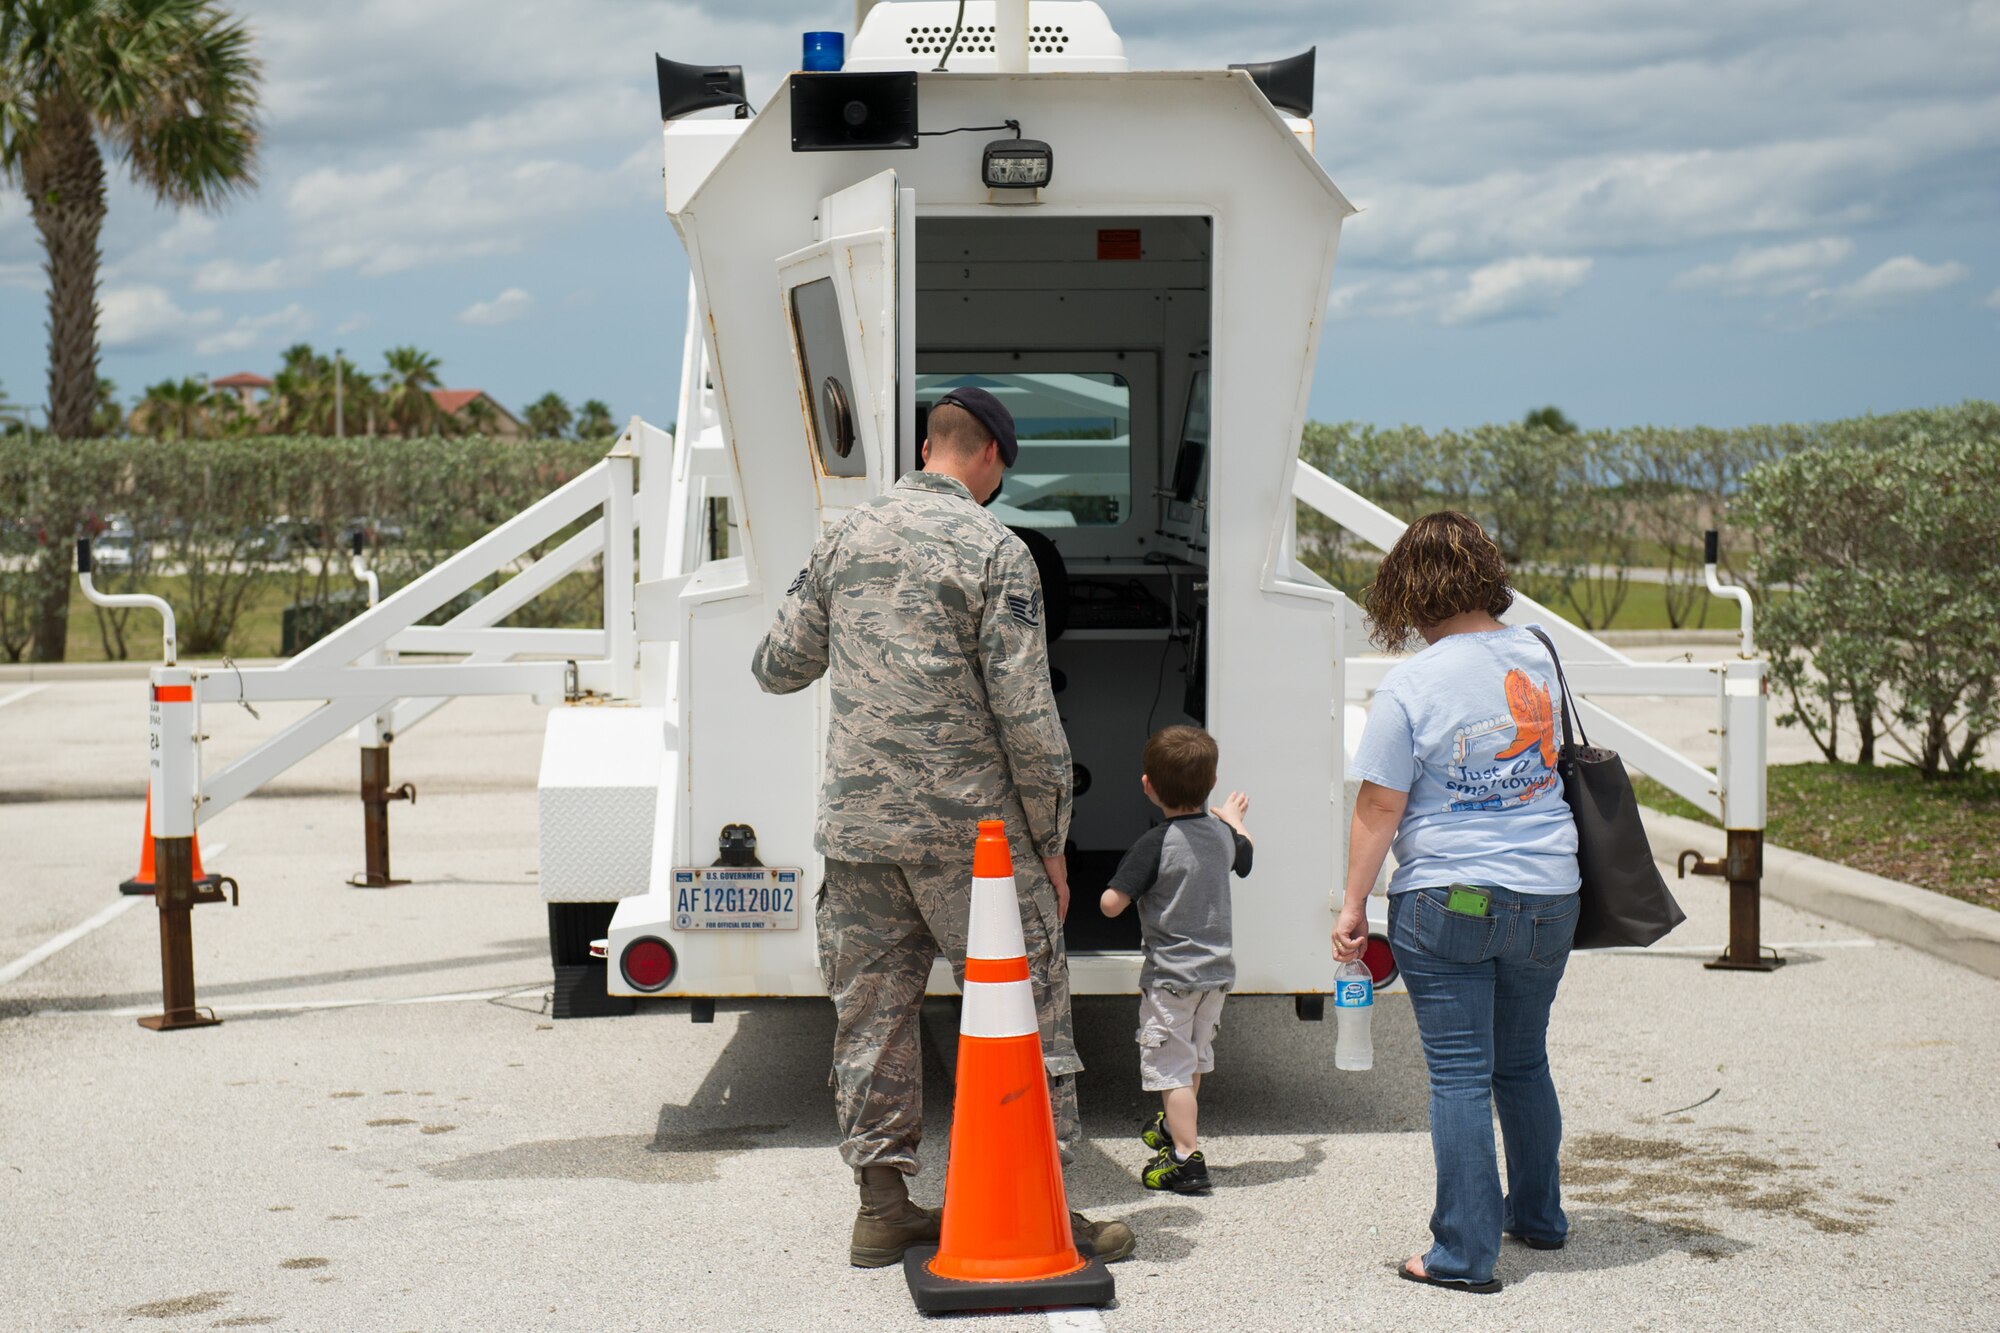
(1155, 1135)
(1164, 1173)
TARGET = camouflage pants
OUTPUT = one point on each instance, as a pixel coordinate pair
(880, 928)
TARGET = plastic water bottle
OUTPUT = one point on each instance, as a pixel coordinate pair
(1353, 1003)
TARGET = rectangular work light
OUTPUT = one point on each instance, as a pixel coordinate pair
(1017, 164)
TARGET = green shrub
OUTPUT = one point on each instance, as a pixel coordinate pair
(1886, 538)
(229, 518)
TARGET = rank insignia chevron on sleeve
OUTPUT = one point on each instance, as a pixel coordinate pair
(799, 583)
(1027, 610)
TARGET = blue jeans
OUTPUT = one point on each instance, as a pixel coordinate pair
(1481, 988)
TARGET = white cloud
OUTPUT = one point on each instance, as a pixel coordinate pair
(1993, 299)
(1892, 282)
(142, 251)
(1528, 285)
(144, 318)
(233, 275)
(255, 330)
(508, 306)
(1771, 269)
(352, 324)
(389, 218)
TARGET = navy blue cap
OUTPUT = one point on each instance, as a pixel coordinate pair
(992, 414)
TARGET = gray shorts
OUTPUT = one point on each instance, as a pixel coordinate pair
(1177, 1036)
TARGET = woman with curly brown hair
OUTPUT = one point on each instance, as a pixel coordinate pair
(1458, 769)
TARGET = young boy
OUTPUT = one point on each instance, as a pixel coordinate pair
(1178, 873)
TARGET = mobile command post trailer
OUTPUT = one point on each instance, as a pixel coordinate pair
(1151, 316)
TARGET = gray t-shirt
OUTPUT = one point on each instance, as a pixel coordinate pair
(1178, 876)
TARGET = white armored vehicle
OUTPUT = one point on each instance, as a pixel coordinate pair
(1138, 264)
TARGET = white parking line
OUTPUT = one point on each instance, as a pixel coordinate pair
(20, 694)
(111, 912)
(51, 947)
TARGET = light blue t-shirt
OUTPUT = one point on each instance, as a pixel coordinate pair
(1470, 727)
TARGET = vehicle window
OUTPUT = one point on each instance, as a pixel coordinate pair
(829, 385)
(1075, 431)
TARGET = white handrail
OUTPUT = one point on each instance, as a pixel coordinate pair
(169, 640)
(1711, 553)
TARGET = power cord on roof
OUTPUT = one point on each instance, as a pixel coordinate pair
(952, 45)
(1013, 125)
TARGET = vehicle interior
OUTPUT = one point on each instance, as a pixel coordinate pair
(1095, 333)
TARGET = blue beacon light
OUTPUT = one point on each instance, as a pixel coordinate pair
(824, 51)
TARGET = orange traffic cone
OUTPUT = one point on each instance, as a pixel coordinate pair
(143, 881)
(1006, 1240)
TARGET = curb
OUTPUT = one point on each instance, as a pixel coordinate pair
(1956, 931)
(49, 673)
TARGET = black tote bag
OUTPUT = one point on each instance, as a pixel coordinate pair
(1625, 901)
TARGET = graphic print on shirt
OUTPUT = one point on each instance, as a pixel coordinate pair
(1516, 772)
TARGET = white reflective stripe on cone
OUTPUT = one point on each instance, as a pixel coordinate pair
(998, 1009)
(994, 927)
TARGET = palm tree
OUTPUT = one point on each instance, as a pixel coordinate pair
(593, 420)
(549, 416)
(301, 392)
(169, 86)
(406, 399)
(106, 417)
(178, 409)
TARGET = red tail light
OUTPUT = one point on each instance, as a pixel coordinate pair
(648, 964)
(1381, 963)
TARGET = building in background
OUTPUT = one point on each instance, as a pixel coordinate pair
(246, 387)
(476, 412)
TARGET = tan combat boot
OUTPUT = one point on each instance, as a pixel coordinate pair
(888, 1222)
(1111, 1241)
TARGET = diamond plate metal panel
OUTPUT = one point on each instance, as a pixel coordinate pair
(597, 842)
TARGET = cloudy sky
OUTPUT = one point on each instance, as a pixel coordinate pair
(1644, 211)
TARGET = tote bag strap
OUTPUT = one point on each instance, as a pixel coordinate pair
(1568, 701)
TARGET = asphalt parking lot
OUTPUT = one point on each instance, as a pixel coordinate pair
(389, 1132)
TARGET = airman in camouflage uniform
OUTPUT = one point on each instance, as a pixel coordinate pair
(924, 613)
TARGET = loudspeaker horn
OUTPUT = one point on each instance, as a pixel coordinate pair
(841, 112)
(1286, 84)
(689, 88)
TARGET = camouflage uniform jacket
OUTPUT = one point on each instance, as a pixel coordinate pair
(924, 612)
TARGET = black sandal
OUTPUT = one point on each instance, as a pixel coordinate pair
(1486, 1288)
(1536, 1243)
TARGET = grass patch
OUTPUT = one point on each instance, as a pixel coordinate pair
(1943, 836)
(1645, 607)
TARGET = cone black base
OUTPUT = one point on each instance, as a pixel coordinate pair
(1090, 1285)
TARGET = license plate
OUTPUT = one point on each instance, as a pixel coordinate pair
(737, 898)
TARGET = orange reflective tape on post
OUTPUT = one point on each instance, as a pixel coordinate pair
(173, 694)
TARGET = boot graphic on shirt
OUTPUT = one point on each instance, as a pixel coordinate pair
(1534, 721)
